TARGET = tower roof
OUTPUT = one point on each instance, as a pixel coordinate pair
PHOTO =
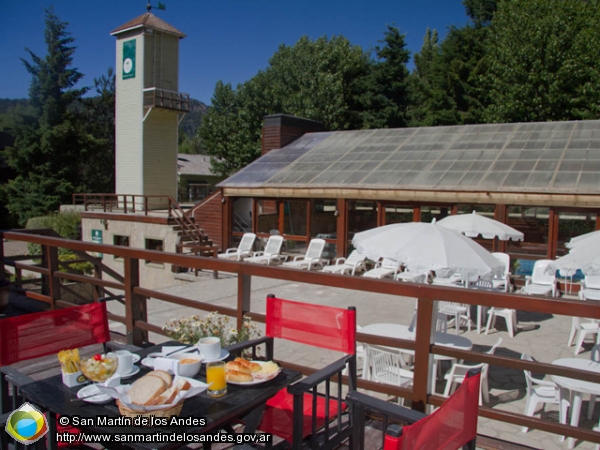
(148, 20)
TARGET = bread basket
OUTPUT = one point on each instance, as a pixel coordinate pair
(167, 412)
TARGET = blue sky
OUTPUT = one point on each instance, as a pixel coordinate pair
(228, 40)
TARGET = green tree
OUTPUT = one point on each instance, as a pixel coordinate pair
(481, 12)
(543, 63)
(47, 143)
(383, 93)
(446, 87)
(97, 166)
(311, 79)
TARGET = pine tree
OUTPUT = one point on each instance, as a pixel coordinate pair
(48, 142)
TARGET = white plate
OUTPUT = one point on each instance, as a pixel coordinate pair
(266, 378)
(135, 370)
(89, 390)
(149, 362)
(224, 354)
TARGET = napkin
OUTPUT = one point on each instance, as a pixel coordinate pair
(167, 364)
(165, 350)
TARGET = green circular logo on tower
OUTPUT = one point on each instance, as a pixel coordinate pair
(26, 424)
(127, 65)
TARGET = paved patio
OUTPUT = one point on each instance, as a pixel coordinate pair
(541, 335)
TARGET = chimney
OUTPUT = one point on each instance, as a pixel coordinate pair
(281, 129)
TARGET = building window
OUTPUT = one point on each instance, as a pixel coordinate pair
(122, 241)
(154, 244)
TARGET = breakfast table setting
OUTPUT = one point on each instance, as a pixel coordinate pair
(204, 385)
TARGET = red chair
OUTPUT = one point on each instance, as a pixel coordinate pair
(309, 410)
(451, 427)
(40, 334)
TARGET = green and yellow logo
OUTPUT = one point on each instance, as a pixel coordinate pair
(26, 424)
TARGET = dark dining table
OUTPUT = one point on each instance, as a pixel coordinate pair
(240, 403)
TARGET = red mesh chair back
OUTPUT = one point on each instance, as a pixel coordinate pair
(321, 326)
(40, 334)
(451, 426)
(293, 417)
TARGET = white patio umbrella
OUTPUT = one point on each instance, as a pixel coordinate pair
(582, 239)
(473, 225)
(585, 256)
(427, 246)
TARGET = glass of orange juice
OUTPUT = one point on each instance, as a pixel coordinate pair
(215, 378)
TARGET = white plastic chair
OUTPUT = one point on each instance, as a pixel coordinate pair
(387, 366)
(540, 282)
(583, 329)
(354, 263)
(413, 275)
(459, 311)
(453, 280)
(387, 267)
(509, 315)
(311, 258)
(459, 370)
(504, 279)
(594, 356)
(243, 249)
(271, 253)
(538, 391)
(590, 288)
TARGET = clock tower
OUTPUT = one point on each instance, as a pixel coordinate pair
(148, 107)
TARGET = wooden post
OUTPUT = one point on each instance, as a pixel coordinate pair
(501, 215)
(552, 233)
(135, 305)
(53, 283)
(417, 213)
(341, 228)
(380, 213)
(98, 275)
(243, 300)
(425, 336)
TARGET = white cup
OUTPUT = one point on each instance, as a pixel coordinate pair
(125, 365)
(210, 347)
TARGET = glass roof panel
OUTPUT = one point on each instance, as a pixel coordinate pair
(541, 157)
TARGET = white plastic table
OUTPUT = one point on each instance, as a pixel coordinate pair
(575, 387)
(395, 330)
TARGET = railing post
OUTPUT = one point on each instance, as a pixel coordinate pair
(98, 276)
(135, 305)
(243, 300)
(51, 284)
(425, 336)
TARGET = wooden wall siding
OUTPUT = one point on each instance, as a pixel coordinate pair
(208, 217)
(161, 61)
(279, 136)
(152, 53)
(170, 63)
(128, 128)
(160, 153)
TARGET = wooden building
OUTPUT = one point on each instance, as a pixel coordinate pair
(541, 178)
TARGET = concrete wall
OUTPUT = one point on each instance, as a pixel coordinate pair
(152, 275)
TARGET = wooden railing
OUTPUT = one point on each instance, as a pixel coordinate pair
(137, 323)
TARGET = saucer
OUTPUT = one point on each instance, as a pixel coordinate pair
(89, 390)
(135, 370)
(148, 362)
(224, 354)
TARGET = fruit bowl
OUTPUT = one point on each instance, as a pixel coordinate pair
(99, 368)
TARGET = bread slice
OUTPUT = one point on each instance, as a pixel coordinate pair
(170, 394)
(145, 390)
(166, 397)
(166, 376)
